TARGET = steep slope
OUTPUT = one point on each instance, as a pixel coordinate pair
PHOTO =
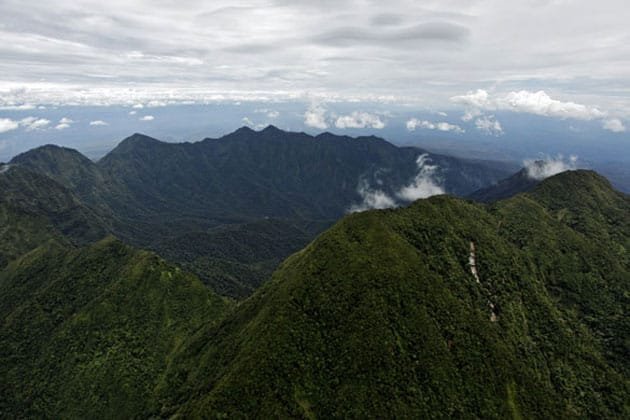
(87, 333)
(443, 309)
(159, 195)
(34, 208)
(273, 173)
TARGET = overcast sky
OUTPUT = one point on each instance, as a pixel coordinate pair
(560, 59)
(425, 51)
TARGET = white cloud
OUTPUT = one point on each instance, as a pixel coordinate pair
(98, 123)
(540, 103)
(270, 113)
(138, 106)
(523, 101)
(477, 99)
(372, 199)
(133, 112)
(22, 107)
(147, 118)
(614, 124)
(64, 123)
(315, 116)
(247, 121)
(33, 123)
(358, 119)
(154, 103)
(424, 184)
(540, 169)
(489, 125)
(414, 123)
(7, 124)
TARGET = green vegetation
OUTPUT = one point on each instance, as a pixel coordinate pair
(236, 259)
(34, 209)
(446, 308)
(88, 333)
(382, 317)
(160, 195)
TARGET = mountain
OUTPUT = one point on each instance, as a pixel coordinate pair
(237, 258)
(446, 308)
(158, 195)
(34, 209)
(272, 173)
(506, 188)
(88, 332)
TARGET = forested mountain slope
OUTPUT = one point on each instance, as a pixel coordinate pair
(443, 309)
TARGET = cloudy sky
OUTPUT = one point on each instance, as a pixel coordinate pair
(559, 59)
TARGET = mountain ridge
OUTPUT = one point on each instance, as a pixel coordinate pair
(382, 316)
(151, 193)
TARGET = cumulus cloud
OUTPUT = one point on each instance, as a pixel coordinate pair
(33, 123)
(7, 124)
(315, 116)
(540, 103)
(614, 124)
(147, 118)
(489, 125)
(424, 184)
(414, 123)
(64, 123)
(133, 112)
(358, 119)
(270, 113)
(523, 101)
(138, 106)
(540, 169)
(98, 123)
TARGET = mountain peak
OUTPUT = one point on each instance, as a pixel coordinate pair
(243, 130)
(272, 129)
(139, 138)
(134, 142)
(575, 187)
(50, 155)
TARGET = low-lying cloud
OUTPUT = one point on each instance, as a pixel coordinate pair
(98, 123)
(540, 169)
(372, 199)
(425, 184)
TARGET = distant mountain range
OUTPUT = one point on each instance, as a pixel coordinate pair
(444, 308)
(159, 195)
